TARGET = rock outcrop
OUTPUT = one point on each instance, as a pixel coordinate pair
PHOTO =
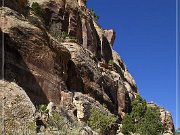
(16, 108)
(36, 61)
(63, 56)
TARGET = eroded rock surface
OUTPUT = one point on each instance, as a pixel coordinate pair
(16, 107)
(33, 59)
(63, 56)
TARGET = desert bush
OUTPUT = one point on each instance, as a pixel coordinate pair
(57, 121)
(62, 124)
(42, 109)
(31, 126)
(99, 120)
(60, 36)
(128, 125)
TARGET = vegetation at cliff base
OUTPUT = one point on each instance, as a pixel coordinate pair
(142, 119)
(99, 120)
(54, 121)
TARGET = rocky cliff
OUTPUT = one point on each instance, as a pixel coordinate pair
(56, 52)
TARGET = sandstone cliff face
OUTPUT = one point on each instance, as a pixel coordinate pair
(33, 60)
(50, 68)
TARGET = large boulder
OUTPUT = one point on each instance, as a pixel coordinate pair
(83, 104)
(16, 108)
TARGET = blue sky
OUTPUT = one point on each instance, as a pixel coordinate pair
(146, 40)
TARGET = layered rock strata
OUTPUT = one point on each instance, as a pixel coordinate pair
(63, 53)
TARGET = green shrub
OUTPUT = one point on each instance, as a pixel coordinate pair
(57, 121)
(99, 120)
(128, 125)
(37, 9)
(32, 126)
(111, 62)
(42, 109)
(62, 124)
(142, 119)
(150, 123)
(65, 35)
(139, 107)
(60, 36)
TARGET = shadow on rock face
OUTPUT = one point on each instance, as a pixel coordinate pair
(21, 6)
(74, 81)
(16, 70)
